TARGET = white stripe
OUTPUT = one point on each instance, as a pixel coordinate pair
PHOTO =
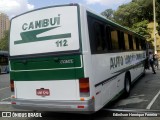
(129, 110)
(4, 88)
(5, 99)
(49, 69)
(4, 103)
(44, 69)
(120, 110)
(153, 100)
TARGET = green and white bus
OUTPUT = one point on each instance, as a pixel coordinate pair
(68, 58)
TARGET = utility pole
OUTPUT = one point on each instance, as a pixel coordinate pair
(154, 31)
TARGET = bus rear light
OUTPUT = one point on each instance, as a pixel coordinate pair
(13, 103)
(13, 96)
(82, 99)
(80, 106)
(12, 85)
(84, 87)
(93, 97)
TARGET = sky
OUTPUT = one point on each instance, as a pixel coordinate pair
(16, 7)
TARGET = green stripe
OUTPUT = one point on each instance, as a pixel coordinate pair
(28, 40)
(49, 62)
(47, 75)
(36, 66)
(31, 36)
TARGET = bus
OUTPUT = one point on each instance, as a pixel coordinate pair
(68, 58)
(4, 62)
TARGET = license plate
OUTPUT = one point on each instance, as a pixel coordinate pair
(42, 92)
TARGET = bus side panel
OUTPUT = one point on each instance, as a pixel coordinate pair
(87, 57)
(101, 70)
(109, 73)
(138, 68)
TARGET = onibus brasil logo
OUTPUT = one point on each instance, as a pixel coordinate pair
(30, 30)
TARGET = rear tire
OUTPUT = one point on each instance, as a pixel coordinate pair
(127, 85)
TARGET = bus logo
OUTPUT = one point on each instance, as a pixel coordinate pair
(42, 92)
(31, 36)
(33, 28)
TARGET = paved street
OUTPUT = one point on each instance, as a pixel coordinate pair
(142, 94)
(145, 96)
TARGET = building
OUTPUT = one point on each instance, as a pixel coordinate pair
(4, 24)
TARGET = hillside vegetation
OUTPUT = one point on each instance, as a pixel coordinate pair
(136, 16)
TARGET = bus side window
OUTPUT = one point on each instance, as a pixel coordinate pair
(126, 39)
(130, 42)
(114, 39)
(99, 37)
(137, 43)
(121, 40)
(91, 34)
(143, 44)
(108, 38)
(134, 43)
(140, 44)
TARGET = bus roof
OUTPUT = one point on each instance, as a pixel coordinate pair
(92, 12)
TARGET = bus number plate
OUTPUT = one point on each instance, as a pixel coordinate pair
(42, 92)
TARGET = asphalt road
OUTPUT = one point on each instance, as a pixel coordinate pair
(144, 98)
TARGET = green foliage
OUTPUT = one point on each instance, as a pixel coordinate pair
(4, 42)
(141, 28)
(158, 15)
(128, 14)
(136, 15)
(133, 12)
(108, 13)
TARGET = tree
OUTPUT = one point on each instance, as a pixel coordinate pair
(108, 13)
(133, 12)
(141, 28)
(4, 41)
(134, 15)
(158, 15)
(147, 9)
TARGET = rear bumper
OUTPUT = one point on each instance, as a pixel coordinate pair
(51, 105)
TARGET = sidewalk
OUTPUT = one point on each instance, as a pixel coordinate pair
(150, 71)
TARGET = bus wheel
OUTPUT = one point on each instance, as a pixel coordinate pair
(127, 85)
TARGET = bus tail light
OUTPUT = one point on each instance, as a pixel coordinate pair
(80, 107)
(13, 103)
(12, 85)
(84, 87)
